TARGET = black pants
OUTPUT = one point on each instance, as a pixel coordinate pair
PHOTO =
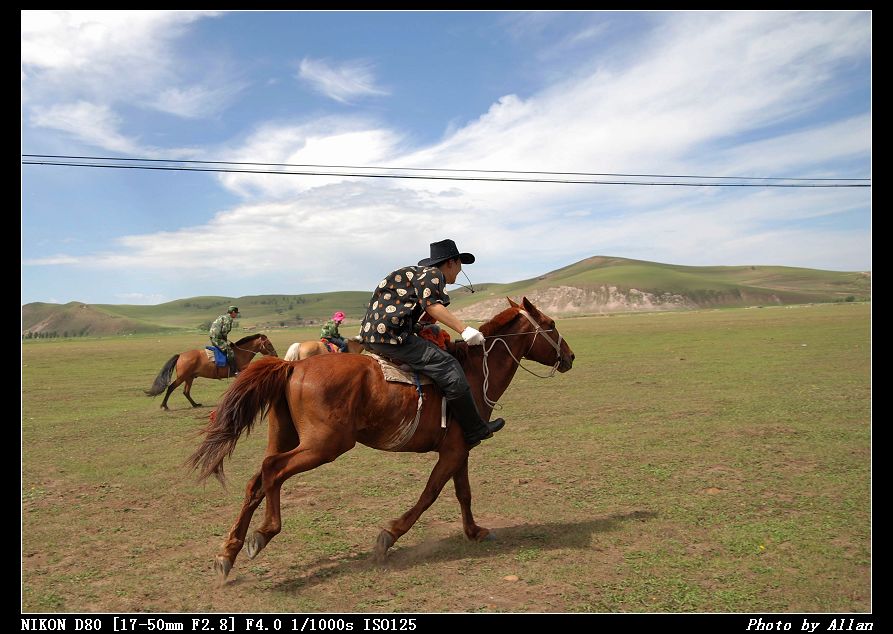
(341, 342)
(425, 357)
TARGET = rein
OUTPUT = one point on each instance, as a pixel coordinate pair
(253, 352)
(499, 339)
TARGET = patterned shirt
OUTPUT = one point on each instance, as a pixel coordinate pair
(399, 301)
(221, 327)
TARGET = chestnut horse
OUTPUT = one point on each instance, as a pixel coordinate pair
(195, 363)
(321, 407)
(303, 349)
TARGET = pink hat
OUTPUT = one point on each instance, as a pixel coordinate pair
(339, 316)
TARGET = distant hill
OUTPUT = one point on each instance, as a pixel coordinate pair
(595, 285)
(603, 284)
(260, 311)
(76, 319)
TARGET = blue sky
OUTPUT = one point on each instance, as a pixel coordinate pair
(766, 94)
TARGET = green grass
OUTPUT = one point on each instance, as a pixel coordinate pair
(707, 461)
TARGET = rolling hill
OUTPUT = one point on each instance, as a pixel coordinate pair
(603, 284)
(76, 319)
(599, 284)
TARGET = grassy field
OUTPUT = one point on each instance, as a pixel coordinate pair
(710, 461)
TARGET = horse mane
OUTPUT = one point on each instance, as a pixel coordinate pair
(245, 340)
(459, 349)
(491, 327)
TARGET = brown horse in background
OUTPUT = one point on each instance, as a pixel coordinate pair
(321, 407)
(304, 349)
(195, 363)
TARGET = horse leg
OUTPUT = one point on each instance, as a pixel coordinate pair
(170, 389)
(186, 389)
(463, 494)
(450, 460)
(282, 436)
(187, 369)
(279, 468)
(224, 561)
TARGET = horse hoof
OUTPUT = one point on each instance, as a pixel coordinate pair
(254, 544)
(481, 535)
(384, 542)
(196, 404)
(222, 566)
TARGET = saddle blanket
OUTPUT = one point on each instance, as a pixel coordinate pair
(216, 355)
(398, 373)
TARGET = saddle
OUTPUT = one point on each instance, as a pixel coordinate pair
(331, 347)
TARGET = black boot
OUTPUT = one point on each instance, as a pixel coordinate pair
(474, 428)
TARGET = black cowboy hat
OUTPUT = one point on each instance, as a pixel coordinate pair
(443, 251)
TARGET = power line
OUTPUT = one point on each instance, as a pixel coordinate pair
(70, 162)
(437, 169)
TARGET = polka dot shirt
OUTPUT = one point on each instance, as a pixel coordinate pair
(398, 302)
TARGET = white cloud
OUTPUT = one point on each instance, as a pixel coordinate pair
(112, 59)
(89, 123)
(344, 82)
(321, 142)
(806, 151)
(60, 40)
(98, 125)
(102, 55)
(195, 102)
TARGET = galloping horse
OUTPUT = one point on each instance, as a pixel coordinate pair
(308, 428)
(302, 350)
(320, 408)
(195, 363)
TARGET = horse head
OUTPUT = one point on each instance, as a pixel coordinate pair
(547, 345)
(266, 347)
(257, 343)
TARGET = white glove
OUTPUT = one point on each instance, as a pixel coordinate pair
(473, 337)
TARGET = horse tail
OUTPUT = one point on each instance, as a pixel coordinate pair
(164, 377)
(294, 351)
(256, 388)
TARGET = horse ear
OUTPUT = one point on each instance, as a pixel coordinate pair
(512, 302)
(527, 305)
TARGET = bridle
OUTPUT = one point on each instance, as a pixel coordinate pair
(253, 352)
(499, 338)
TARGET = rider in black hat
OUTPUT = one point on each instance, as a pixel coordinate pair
(388, 329)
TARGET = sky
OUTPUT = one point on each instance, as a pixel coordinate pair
(765, 94)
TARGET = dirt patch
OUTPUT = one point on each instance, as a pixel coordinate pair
(568, 300)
